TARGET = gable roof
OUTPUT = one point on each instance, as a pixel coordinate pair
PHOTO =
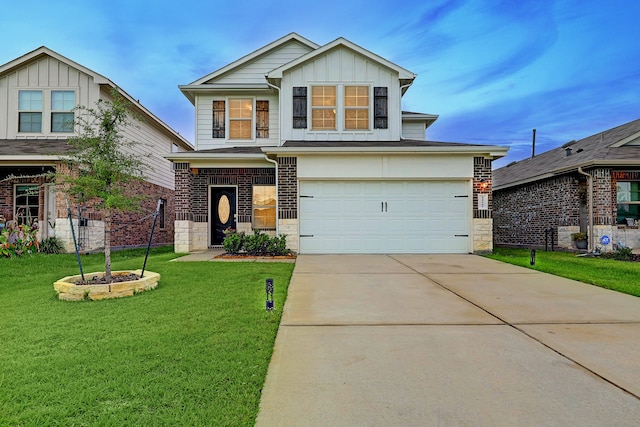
(99, 79)
(255, 54)
(614, 147)
(406, 76)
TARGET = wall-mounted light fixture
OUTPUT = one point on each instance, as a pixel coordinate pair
(483, 185)
(194, 171)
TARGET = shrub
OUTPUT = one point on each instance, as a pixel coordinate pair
(233, 243)
(51, 245)
(258, 244)
(623, 253)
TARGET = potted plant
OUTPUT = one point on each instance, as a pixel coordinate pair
(580, 240)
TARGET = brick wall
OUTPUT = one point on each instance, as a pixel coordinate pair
(482, 171)
(192, 188)
(522, 213)
(287, 188)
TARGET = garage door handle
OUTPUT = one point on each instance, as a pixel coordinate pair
(381, 206)
(461, 235)
(306, 235)
(466, 195)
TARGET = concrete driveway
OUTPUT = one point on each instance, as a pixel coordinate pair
(430, 340)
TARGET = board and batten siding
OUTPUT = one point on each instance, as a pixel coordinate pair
(44, 74)
(204, 121)
(254, 71)
(341, 66)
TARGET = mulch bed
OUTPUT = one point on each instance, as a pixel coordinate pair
(101, 280)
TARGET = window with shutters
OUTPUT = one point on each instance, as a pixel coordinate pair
(218, 119)
(262, 119)
(240, 118)
(323, 107)
(356, 107)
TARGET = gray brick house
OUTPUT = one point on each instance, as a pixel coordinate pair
(591, 185)
(311, 141)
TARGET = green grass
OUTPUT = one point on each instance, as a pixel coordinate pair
(192, 352)
(620, 276)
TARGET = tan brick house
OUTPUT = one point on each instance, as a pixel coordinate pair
(38, 93)
(590, 185)
(311, 141)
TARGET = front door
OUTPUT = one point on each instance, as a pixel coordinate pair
(223, 212)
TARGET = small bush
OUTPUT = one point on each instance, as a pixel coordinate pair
(257, 244)
(51, 245)
(16, 240)
(623, 253)
(233, 243)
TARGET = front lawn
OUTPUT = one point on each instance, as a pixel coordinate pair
(192, 352)
(621, 276)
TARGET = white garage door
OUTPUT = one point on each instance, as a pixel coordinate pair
(384, 217)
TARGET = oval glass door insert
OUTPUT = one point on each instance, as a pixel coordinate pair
(224, 209)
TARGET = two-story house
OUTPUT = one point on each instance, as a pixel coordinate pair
(311, 141)
(38, 95)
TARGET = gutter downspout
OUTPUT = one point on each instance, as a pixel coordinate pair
(275, 163)
(590, 225)
(401, 122)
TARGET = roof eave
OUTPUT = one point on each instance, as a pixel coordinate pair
(491, 151)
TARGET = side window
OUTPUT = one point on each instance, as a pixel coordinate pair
(356, 107)
(262, 119)
(218, 119)
(26, 204)
(161, 214)
(29, 111)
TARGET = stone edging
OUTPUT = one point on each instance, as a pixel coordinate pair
(67, 289)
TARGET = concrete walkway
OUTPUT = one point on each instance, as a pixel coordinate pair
(426, 340)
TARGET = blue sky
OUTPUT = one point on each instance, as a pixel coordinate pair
(493, 70)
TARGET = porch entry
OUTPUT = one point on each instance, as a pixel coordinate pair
(223, 212)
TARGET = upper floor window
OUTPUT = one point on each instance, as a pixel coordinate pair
(323, 108)
(356, 107)
(62, 104)
(30, 111)
(242, 118)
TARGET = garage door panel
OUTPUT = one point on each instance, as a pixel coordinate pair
(384, 217)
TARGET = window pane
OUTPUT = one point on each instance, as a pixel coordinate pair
(64, 100)
(356, 96)
(356, 119)
(240, 129)
(30, 122)
(323, 96)
(62, 122)
(30, 100)
(240, 108)
(26, 204)
(264, 206)
(323, 119)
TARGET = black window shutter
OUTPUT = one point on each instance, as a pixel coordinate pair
(299, 107)
(218, 119)
(262, 119)
(380, 108)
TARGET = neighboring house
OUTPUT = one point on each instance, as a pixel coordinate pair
(38, 94)
(310, 141)
(591, 185)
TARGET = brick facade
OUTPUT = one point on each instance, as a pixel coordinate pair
(521, 214)
(192, 187)
(482, 171)
(287, 188)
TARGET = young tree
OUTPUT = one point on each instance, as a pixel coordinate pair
(103, 163)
